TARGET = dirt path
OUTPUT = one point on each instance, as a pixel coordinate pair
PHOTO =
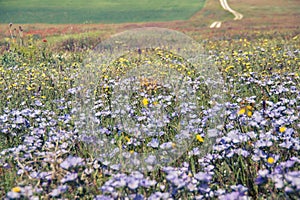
(216, 24)
(237, 15)
(225, 6)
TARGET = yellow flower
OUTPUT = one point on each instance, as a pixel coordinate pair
(199, 138)
(105, 77)
(29, 88)
(270, 160)
(127, 138)
(249, 107)
(249, 114)
(131, 151)
(16, 189)
(282, 129)
(145, 101)
(228, 68)
(155, 103)
(242, 111)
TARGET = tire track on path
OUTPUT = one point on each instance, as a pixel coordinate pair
(225, 6)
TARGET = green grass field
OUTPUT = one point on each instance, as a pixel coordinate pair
(95, 11)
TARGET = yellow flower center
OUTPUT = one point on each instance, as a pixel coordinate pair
(271, 160)
(282, 129)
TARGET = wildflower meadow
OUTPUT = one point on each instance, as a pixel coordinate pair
(159, 117)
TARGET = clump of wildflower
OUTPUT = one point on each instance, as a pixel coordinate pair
(246, 110)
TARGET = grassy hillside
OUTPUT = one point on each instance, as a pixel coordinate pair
(95, 11)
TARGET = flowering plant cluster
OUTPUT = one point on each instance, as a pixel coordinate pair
(45, 154)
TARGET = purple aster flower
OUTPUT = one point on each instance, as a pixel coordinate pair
(159, 195)
(132, 183)
(20, 120)
(154, 143)
(242, 152)
(38, 103)
(262, 176)
(137, 175)
(119, 183)
(13, 195)
(59, 190)
(107, 189)
(240, 188)
(71, 162)
(103, 197)
(166, 145)
(150, 159)
(233, 196)
(69, 177)
(137, 197)
(147, 183)
(202, 176)
(294, 178)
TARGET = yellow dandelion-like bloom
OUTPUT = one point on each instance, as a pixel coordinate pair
(282, 129)
(271, 160)
(249, 114)
(105, 77)
(16, 189)
(127, 138)
(145, 101)
(131, 151)
(249, 107)
(242, 111)
(155, 103)
(29, 88)
(199, 138)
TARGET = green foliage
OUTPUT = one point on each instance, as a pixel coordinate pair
(104, 11)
